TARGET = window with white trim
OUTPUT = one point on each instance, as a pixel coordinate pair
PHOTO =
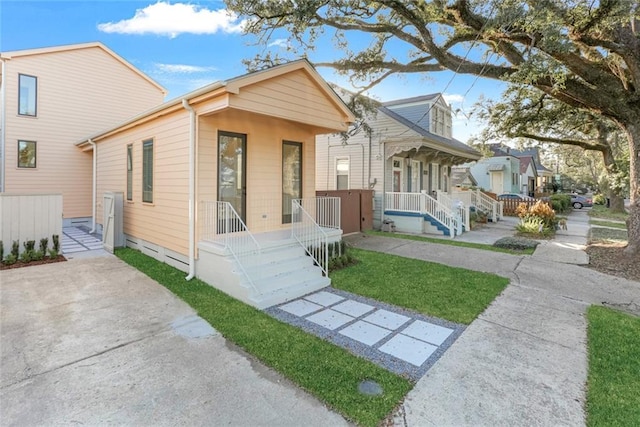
(342, 173)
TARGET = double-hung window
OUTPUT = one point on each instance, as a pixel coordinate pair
(27, 95)
(147, 171)
(342, 173)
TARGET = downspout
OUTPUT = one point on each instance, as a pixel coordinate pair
(384, 181)
(369, 186)
(192, 190)
(2, 125)
(94, 185)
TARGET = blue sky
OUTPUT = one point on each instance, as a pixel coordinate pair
(185, 45)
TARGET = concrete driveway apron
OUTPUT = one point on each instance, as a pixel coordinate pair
(94, 341)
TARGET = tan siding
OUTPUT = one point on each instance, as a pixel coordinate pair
(293, 96)
(80, 92)
(165, 221)
(264, 161)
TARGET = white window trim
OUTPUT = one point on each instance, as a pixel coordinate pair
(401, 169)
(335, 170)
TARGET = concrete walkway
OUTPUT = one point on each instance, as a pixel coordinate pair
(96, 342)
(524, 360)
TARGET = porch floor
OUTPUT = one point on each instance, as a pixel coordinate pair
(396, 339)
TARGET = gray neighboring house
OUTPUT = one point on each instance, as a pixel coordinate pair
(411, 151)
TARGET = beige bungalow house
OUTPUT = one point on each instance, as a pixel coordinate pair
(407, 160)
(221, 182)
(52, 97)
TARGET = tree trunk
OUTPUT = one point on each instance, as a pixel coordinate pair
(633, 221)
(614, 192)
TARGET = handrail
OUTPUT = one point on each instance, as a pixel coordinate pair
(306, 231)
(458, 207)
(442, 213)
(222, 224)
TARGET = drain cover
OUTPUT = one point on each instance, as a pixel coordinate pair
(370, 388)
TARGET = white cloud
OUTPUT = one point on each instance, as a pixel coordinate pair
(280, 43)
(453, 97)
(171, 20)
(182, 68)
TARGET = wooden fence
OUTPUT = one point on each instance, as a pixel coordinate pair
(511, 205)
(26, 217)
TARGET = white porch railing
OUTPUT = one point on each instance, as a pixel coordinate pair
(308, 217)
(422, 203)
(481, 201)
(458, 206)
(220, 223)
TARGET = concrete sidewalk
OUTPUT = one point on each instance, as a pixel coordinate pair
(96, 342)
(524, 360)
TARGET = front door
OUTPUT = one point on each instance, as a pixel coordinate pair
(291, 177)
(232, 168)
(497, 182)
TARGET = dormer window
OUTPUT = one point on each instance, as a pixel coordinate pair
(441, 121)
(27, 96)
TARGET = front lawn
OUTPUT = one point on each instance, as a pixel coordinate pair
(436, 290)
(601, 211)
(451, 242)
(613, 395)
(329, 372)
(608, 224)
(607, 235)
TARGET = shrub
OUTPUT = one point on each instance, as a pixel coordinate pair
(29, 245)
(15, 249)
(26, 256)
(599, 199)
(56, 242)
(1, 250)
(11, 259)
(53, 253)
(516, 243)
(561, 202)
(44, 245)
(37, 255)
(534, 225)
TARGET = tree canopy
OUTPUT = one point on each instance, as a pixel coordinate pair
(584, 53)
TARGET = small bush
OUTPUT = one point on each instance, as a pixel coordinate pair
(534, 226)
(56, 242)
(37, 255)
(15, 249)
(26, 256)
(53, 253)
(561, 203)
(516, 243)
(599, 199)
(44, 245)
(11, 259)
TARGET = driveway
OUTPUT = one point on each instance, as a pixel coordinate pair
(93, 341)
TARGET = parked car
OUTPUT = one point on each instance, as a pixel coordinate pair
(514, 196)
(578, 202)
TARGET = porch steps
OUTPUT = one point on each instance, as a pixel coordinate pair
(283, 272)
(436, 224)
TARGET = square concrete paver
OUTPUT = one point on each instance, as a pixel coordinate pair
(365, 332)
(428, 332)
(324, 298)
(330, 319)
(353, 308)
(408, 349)
(300, 307)
(387, 319)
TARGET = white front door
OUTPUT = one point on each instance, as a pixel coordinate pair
(497, 182)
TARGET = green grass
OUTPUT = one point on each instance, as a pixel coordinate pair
(606, 235)
(438, 290)
(613, 394)
(451, 242)
(600, 211)
(323, 369)
(608, 224)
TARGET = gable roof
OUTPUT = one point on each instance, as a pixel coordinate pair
(525, 162)
(459, 175)
(413, 118)
(535, 153)
(229, 86)
(66, 48)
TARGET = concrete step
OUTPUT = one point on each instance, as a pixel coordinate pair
(281, 295)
